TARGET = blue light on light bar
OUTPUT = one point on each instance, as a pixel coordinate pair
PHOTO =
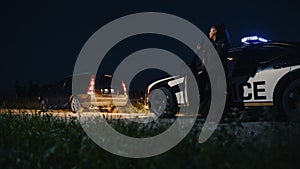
(262, 39)
(253, 40)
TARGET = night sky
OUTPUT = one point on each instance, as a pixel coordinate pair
(40, 40)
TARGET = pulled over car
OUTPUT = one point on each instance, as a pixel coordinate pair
(99, 94)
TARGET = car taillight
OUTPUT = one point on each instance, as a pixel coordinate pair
(91, 88)
(124, 87)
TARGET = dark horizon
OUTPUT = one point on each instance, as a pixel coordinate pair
(41, 41)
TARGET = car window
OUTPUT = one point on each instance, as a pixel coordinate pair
(104, 86)
(248, 62)
(267, 53)
(294, 57)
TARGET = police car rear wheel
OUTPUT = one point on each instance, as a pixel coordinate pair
(289, 102)
(75, 105)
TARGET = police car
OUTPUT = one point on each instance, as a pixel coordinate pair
(263, 73)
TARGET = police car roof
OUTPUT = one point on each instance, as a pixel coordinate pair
(275, 43)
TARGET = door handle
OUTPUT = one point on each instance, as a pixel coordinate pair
(281, 65)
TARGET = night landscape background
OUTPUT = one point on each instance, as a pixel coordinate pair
(40, 41)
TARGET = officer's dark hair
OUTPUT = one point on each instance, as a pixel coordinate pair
(222, 33)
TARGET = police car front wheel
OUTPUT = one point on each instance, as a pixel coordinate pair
(163, 102)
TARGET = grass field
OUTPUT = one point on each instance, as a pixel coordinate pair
(33, 141)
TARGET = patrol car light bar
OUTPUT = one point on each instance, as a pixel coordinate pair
(253, 39)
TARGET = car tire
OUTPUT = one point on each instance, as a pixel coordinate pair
(43, 106)
(287, 100)
(75, 105)
(170, 106)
